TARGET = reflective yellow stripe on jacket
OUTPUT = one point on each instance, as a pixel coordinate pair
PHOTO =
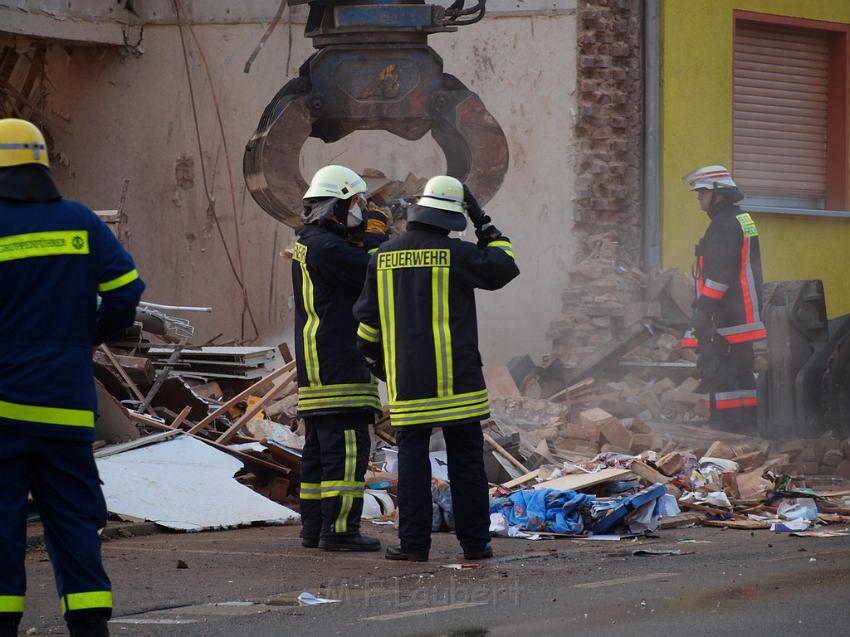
(457, 407)
(47, 415)
(44, 244)
(311, 325)
(368, 333)
(118, 282)
(350, 395)
(504, 245)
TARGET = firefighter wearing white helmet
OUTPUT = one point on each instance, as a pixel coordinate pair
(337, 394)
(418, 323)
(727, 310)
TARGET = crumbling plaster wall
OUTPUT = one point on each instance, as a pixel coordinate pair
(130, 116)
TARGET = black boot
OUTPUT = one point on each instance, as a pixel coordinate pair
(350, 543)
(395, 553)
(309, 541)
(89, 625)
(484, 553)
(9, 625)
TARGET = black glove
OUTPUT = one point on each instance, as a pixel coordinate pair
(476, 213)
(703, 324)
(376, 366)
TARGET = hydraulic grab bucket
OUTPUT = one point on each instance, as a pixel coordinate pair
(373, 71)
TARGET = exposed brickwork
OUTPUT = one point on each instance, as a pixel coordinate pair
(605, 281)
(609, 122)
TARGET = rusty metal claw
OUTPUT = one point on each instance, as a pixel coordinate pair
(373, 71)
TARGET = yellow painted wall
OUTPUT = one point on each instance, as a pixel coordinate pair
(696, 129)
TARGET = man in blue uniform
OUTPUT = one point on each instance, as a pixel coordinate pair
(417, 320)
(56, 258)
(337, 394)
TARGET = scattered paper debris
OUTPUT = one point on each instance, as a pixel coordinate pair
(308, 599)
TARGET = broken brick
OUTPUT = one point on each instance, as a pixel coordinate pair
(670, 464)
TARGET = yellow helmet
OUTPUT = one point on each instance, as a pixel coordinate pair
(21, 143)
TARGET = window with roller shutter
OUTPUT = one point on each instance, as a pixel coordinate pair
(783, 110)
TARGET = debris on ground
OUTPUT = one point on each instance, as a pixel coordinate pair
(603, 438)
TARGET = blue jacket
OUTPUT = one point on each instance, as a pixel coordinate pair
(56, 257)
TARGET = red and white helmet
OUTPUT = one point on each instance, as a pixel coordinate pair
(709, 178)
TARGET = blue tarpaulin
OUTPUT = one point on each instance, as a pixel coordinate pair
(544, 510)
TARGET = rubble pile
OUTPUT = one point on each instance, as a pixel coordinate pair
(603, 298)
(639, 477)
(239, 400)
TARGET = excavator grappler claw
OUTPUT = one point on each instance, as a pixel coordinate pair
(373, 70)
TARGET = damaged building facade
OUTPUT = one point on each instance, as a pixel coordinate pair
(111, 88)
(605, 105)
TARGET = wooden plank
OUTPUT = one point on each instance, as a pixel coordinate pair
(233, 452)
(181, 417)
(276, 389)
(123, 374)
(608, 353)
(579, 481)
(510, 484)
(743, 525)
(504, 453)
(683, 519)
(253, 389)
(111, 450)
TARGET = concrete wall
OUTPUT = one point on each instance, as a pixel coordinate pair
(129, 115)
(696, 130)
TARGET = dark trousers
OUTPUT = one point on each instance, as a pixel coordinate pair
(63, 479)
(467, 479)
(727, 375)
(333, 466)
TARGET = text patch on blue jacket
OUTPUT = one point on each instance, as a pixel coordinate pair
(56, 258)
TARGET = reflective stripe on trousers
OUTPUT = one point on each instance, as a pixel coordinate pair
(334, 489)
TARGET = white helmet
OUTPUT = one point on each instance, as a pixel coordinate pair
(441, 204)
(443, 192)
(335, 181)
(709, 178)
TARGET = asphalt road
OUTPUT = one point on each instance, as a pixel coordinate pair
(245, 583)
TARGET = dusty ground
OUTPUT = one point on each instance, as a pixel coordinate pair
(244, 582)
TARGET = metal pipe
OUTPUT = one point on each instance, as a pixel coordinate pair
(651, 135)
(180, 308)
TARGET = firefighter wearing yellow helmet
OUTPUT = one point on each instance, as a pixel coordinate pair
(56, 259)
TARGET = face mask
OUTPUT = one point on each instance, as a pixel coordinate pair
(355, 216)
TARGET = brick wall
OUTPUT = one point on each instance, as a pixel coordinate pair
(606, 283)
(609, 122)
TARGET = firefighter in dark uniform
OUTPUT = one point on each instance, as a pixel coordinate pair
(337, 394)
(727, 311)
(418, 325)
(56, 258)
